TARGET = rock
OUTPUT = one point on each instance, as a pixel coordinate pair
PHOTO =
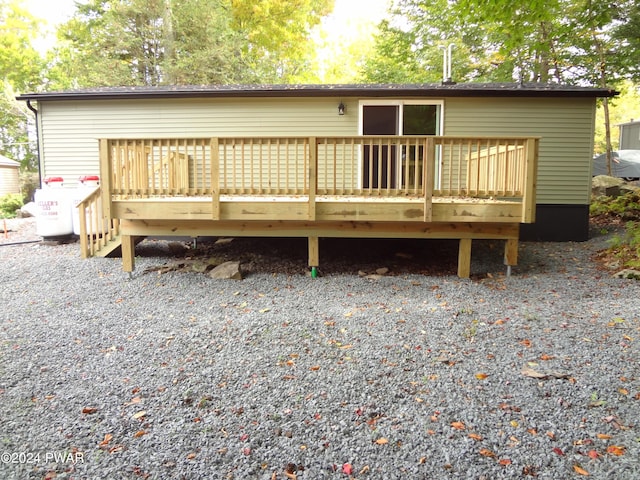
(227, 271)
(28, 210)
(224, 241)
(176, 248)
(628, 273)
(605, 185)
(629, 188)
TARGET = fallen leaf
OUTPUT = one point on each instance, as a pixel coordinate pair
(347, 469)
(616, 450)
(603, 436)
(580, 470)
(89, 410)
(315, 368)
(106, 440)
(623, 391)
(116, 449)
(531, 373)
(485, 452)
(458, 425)
(481, 376)
(558, 451)
(546, 357)
(475, 436)
(139, 414)
(526, 342)
(264, 310)
(504, 462)
(191, 456)
(139, 433)
(593, 454)
(382, 441)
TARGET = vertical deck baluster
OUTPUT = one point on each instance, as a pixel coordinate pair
(428, 176)
(244, 160)
(478, 167)
(214, 154)
(459, 165)
(404, 157)
(335, 165)
(354, 166)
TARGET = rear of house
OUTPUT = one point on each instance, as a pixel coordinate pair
(70, 124)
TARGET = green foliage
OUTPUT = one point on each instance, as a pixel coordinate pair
(9, 204)
(623, 207)
(564, 41)
(29, 182)
(20, 70)
(20, 63)
(626, 247)
(170, 42)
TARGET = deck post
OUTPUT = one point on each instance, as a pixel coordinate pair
(464, 258)
(511, 252)
(313, 176)
(428, 177)
(530, 180)
(106, 177)
(84, 239)
(128, 253)
(215, 179)
(314, 252)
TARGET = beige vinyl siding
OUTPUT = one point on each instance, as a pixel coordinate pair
(9, 176)
(70, 129)
(565, 126)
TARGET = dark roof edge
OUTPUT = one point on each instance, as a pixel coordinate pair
(386, 90)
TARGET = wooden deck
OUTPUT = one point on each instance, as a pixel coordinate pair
(388, 186)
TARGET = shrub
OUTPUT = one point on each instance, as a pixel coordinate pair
(9, 204)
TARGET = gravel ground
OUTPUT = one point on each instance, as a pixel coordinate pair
(416, 375)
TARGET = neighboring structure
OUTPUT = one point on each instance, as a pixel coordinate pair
(9, 176)
(70, 124)
(629, 135)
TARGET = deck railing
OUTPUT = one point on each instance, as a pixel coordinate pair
(97, 229)
(346, 165)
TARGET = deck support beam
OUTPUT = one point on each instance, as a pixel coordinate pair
(511, 254)
(464, 258)
(314, 252)
(128, 253)
(465, 233)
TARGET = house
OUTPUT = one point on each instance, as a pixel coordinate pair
(456, 161)
(629, 135)
(9, 176)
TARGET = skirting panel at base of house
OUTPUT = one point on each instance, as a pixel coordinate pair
(558, 223)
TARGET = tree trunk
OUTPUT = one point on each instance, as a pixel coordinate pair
(169, 44)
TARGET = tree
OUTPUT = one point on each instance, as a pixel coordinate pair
(166, 42)
(20, 67)
(278, 33)
(627, 33)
